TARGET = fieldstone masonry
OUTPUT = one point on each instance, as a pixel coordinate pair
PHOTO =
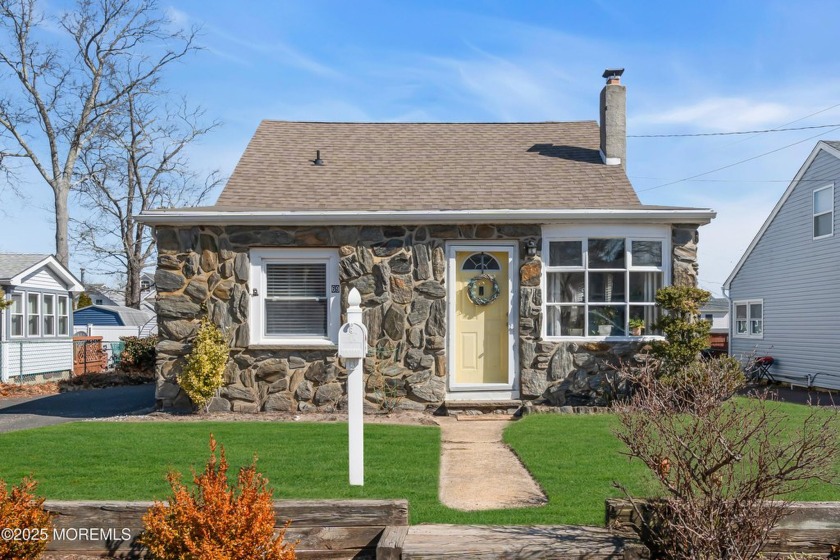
(400, 272)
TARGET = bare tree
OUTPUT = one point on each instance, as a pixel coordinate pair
(57, 99)
(722, 463)
(137, 162)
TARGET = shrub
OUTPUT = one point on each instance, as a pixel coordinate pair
(21, 511)
(216, 521)
(685, 335)
(84, 301)
(203, 373)
(720, 461)
(138, 352)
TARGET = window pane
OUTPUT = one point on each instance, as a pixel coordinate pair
(755, 311)
(647, 313)
(17, 303)
(49, 304)
(606, 286)
(741, 327)
(566, 287)
(33, 323)
(565, 321)
(49, 325)
(606, 253)
(755, 326)
(62, 305)
(17, 325)
(741, 311)
(481, 261)
(565, 253)
(63, 325)
(606, 321)
(823, 201)
(296, 280)
(647, 253)
(296, 318)
(644, 285)
(822, 224)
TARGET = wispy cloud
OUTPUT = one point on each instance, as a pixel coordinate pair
(721, 113)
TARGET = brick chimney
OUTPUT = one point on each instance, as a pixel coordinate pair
(614, 119)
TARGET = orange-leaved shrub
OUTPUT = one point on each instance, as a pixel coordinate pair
(22, 516)
(217, 521)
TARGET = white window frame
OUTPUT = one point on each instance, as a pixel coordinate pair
(258, 287)
(60, 316)
(29, 314)
(44, 315)
(22, 315)
(815, 215)
(749, 318)
(629, 233)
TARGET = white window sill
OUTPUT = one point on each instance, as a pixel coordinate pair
(300, 344)
(649, 338)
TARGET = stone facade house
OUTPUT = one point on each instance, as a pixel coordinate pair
(495, 262)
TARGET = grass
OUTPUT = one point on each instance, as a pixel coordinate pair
(574, 457)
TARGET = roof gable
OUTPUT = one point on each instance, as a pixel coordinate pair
(15, 268)
(425, 166)
(828, 147)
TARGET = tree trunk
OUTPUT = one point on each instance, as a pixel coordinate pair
(132, 285)
(61, 191)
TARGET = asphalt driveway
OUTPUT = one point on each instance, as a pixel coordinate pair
(36, 412)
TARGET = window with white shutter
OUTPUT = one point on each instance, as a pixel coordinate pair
(295, 296)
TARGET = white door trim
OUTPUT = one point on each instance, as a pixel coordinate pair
(484, 391)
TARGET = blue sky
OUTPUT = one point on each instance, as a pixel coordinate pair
(690, 68)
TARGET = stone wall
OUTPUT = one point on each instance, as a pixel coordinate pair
(400, 272)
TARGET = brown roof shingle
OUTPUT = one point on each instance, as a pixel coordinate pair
(425, 166)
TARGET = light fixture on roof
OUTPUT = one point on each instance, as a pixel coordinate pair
(318, 160)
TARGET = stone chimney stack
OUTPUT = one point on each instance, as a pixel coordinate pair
(614, 119)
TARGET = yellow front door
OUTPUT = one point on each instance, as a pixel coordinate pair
(481, 331)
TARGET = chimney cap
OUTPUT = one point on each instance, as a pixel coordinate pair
(613, 73)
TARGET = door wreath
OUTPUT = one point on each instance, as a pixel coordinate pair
(475, 289)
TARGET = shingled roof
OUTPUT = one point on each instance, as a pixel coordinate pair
(425, 166)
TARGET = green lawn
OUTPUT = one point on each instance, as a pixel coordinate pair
(574, 457)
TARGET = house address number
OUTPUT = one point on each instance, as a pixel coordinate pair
(335, 289)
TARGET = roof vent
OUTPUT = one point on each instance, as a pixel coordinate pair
(317, 160)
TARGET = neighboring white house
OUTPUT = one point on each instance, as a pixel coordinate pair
(785, 292)
(36, 329)
(100, 294)
(716, 311)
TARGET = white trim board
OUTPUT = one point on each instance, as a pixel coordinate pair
(73, 285)
(488, 391)
(698, 216)
(820, 147)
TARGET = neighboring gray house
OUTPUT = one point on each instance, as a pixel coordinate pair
(496, 261)
(36, 329)
(785, 290)
(100, 294)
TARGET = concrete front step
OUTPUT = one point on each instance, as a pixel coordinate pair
(476, 408)
(494, 542)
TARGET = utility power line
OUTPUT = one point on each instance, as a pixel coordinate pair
(764, 131)
(738, 162)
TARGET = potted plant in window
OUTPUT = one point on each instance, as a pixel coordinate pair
(605, 321)
(637, 326)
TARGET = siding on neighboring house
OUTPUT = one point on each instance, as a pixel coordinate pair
(44, 280)
(798, 278)
(93, 316)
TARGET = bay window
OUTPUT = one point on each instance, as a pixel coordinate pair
(296, 296)
(602, 286)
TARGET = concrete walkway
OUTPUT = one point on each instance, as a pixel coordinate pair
(478, 471)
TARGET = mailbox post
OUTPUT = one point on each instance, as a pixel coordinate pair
(352, 348)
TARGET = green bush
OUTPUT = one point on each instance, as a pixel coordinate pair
(203, 373)
(84, 301)
(685, 335)
(139, 352)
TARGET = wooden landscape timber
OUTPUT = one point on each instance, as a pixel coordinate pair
(809, 528)
(325, 528)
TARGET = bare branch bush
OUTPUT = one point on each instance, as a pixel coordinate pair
(725, 465)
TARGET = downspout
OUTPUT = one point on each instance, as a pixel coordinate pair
(731, 322)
